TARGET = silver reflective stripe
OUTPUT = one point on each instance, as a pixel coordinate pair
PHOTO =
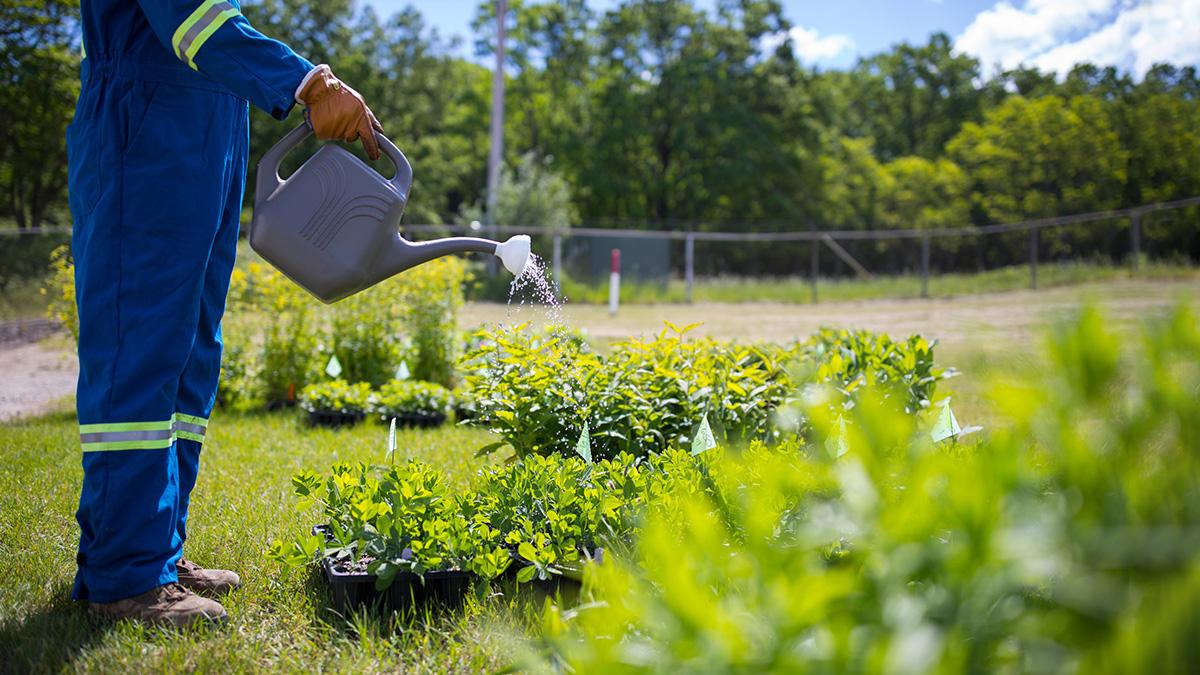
(125, 436)
(182, 49)
(192, 428)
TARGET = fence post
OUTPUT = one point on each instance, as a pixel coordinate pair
(1033, 257)
(689, 263)
(558, 262)
(1135, 236)
(816, 261)
(925, 266)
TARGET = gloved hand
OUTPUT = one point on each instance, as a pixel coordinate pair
(337, 112)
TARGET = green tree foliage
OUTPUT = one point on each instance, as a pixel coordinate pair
(1043, 157)
(673, 113)
(38, 87)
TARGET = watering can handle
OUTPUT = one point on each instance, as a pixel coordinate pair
(268, 166)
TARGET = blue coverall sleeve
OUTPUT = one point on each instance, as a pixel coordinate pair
(214, 38)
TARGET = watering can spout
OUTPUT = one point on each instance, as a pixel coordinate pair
(405, 254)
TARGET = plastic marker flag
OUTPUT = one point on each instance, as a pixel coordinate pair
(334, 367)
(402, 371)
(392, 442)
(583, 447)
(946, 425)
(703, 440)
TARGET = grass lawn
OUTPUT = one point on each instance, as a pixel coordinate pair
(242, 502)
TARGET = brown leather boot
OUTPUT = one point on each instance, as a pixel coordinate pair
(207, 582)
(170, 604)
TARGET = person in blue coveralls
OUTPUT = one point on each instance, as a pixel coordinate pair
(157, 165)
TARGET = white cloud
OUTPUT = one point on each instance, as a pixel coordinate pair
(1054, 35)
(809, 45)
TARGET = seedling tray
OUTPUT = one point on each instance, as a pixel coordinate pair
(319, 418)
(419, 420)
(351, 591)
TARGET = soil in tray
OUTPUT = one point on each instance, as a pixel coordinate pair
(319, 418)
(351, 587)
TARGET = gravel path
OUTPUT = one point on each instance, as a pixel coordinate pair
(35, 377)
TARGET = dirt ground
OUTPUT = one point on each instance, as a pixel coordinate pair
(961, 324)
(37, 376)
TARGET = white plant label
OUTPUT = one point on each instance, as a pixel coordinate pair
(583, 447)
(703, 441)
(334, 367)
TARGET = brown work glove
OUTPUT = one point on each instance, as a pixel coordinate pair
(337, 112)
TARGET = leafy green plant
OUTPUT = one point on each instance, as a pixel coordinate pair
(401, 398)
(289, 339)
(539, 391)
(430, 296)
(388, 520)
(336, 396)
(60, 291)
(853, 359)
(364, 335)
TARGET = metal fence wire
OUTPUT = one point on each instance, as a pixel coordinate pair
(1165, 231)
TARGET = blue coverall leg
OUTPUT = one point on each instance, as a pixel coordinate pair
(198, 386)
(157, 163)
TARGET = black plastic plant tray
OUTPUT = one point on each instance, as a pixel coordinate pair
(319, 418)
(572, 579)
(419, 420)
(350, 591)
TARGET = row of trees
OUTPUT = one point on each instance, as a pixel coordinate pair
(660, 112)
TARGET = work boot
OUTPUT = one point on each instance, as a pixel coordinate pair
(170, 604)
(207, 582)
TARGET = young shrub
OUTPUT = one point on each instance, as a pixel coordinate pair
(852, 359)
(60, 291)
(388, 520)
(412, 403)
(430, 297)
(289, 332)
(364, 335)
(1063, 542)
(538, 392)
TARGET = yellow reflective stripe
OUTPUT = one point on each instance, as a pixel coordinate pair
(191, 419)
(126, 426)
(207, 33)
(198, 27)
(129, 445)
(189, 436)
(82, 48)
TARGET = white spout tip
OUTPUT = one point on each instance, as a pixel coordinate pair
(514, 253)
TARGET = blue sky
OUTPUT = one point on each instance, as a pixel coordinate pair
(1050, 34)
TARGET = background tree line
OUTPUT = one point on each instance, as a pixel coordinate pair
(658, 112)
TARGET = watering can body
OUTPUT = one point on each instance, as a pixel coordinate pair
(333, 225)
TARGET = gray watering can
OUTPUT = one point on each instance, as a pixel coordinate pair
(333, 225)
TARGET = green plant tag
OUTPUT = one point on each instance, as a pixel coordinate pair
(703, 440)
(946, 425)
(334, 367)
(391, 453)
(583, 447)
(402, 371)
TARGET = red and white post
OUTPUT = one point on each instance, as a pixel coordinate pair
(614, 283)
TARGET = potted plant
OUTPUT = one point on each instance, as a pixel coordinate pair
(393, 537)
(412, 403)
(335, 403)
